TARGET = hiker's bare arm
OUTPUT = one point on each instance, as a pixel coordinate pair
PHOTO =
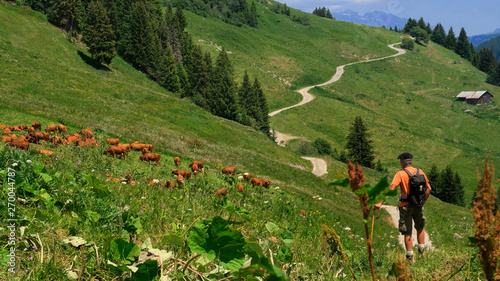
(428, 191)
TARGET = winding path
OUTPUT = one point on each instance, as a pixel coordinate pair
(319, 165)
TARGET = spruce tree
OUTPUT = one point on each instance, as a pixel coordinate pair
(487, 60)
(359, 145)
(262, 110)
(462, 48)
(329, 14)
(98, 34)
(421, 23)
(447, 193)
(411, 23)
(224, 102)
(247, 100)
(435, 181)
(450, 41)
(207, 93)
(458, 190)
(438, 34)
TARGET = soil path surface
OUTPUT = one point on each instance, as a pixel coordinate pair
(393, 211)
(319, 165)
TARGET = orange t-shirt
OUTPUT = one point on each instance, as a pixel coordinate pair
(403, 180)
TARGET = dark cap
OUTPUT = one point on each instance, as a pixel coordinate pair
(404, 156)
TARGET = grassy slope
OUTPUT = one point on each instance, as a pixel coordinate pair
(44, 77)
(407, 102)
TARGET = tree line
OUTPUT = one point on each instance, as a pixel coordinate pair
(483, 59)
(154, 40)
(323, 12)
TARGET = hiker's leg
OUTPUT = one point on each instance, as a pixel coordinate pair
(419, 226)
(421, 237)
(408, 243)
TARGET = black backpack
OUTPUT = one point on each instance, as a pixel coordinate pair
(418, 186)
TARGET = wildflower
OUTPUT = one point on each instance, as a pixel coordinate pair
(140, 211)
(30, 258)
(27, 269)
(14, 164)
(265, 202)
(78, 163)
(38, 206)
(143, 198)
(34, 247)
(388, 245)
(93, 170)
(28, 161)
(319, 198)
(347, 228)
(277, 187)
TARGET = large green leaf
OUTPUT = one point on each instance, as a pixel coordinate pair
(271, 227)
(343, 183)
(146, 271)
(133, 225)
(123, 251)
(215, 236)
(173, 239)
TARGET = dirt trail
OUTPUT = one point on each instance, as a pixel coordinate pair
(393, 211)
(320, 167)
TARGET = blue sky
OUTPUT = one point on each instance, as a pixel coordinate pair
(477, 17)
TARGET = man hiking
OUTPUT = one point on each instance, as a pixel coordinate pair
(415, 189)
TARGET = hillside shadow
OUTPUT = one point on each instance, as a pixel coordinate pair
(88, 60)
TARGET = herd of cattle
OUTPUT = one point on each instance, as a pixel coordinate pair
(85, 138)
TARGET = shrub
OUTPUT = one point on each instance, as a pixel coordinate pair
(408, 44)
(306, 148)
(323, 146)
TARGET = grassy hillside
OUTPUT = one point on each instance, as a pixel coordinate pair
(407, 102)
(45, 78)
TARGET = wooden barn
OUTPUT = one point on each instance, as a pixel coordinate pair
(475, 97)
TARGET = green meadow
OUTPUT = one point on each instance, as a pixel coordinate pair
(407, 102)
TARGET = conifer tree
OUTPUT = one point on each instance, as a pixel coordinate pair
(247, 100)
(329, 14)
(487, 60)
(447, 193)
(410, 23)
(450, 41)
(164, 69)
(198, 73)
(462, 48)
(435, 181)
(183, 78)
(98, 34)
(62, 13)
(421, 23)
(252, 15)
(224, 102)
(207, 93)
(438, 34)
(359, 145)
(262, 110)
(458, 190)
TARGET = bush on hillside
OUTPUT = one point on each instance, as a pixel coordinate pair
(323, 146)
(307, 148)
(408, 44)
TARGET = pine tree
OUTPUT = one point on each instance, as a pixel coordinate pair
(62, 13)
(462, 48)
(252, 15)
(421, 23)
(197, 70)
(224, 102)
(411, 23)
(438, 34)
(458, 190)
(247, 100)
(329, 14)
(435, 181)
(450, 41)
(183, 78)
(262, 110)
(98, 34)
(447, 193)
(359, 146)
(487, 60)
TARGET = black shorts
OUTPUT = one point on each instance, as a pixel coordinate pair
(408, 215)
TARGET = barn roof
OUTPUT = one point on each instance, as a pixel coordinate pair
(471, 94)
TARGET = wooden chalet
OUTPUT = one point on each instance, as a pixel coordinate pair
(475, 97)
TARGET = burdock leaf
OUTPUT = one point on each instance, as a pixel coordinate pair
(343, 183)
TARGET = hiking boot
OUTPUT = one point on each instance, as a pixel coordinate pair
(421, 250)
(409, 258)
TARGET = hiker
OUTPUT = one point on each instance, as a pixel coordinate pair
(410, 203)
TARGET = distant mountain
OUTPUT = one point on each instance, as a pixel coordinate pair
(375, 18)
(494, 44)
(478, 39)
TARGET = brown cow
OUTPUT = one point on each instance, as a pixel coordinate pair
(124, 145)
(116, 150)
(169, 184)
(129, 179)
(19, 144)
(229, 171)
(113, 179)
(240, 188)
(180, 181)
(88, 143)
(61, 128)
(9, 139)
(72, 138)
(198, 163)
(87, 133)
(153, 182)
(31, 130)
(264, 183)
(140, 146)
(221, 192)
(51, 128)
(37, 125)
(6, 131)
(194, 168)
(46, 152)
(16, 128)
(247, 176)
(177, 161)
(151, 157)
(37, 136)
(184, 173)
(113, 141)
